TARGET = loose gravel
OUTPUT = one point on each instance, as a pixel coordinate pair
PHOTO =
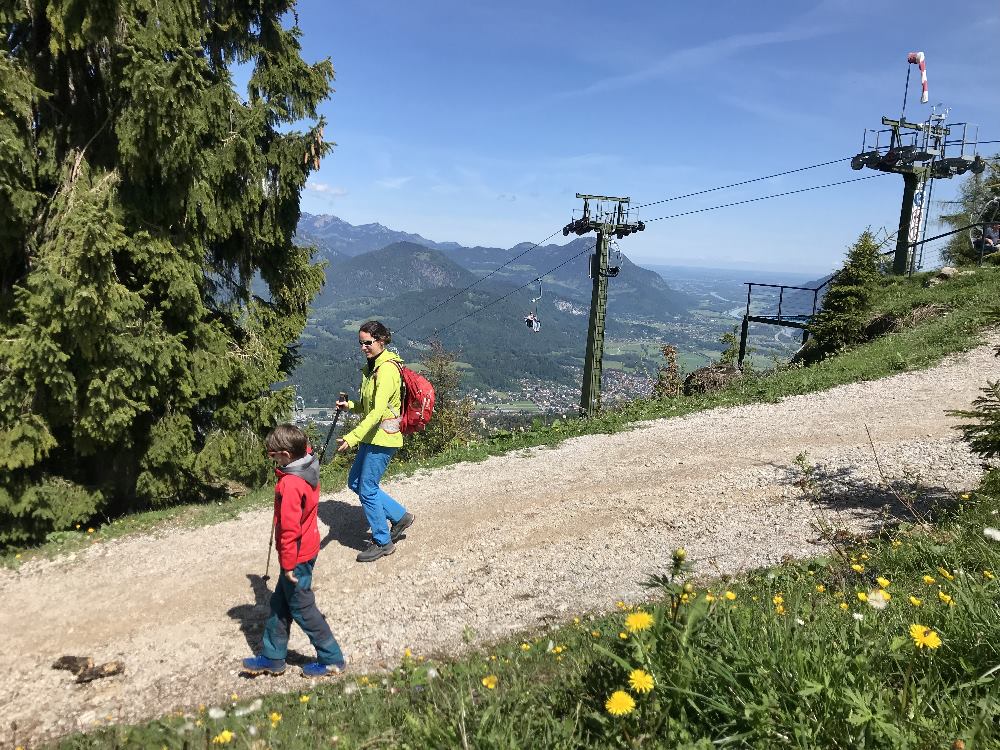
(507, 544)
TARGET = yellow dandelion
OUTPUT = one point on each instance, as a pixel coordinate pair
(78, 526)
(864, 555)
(915, 601)
(407, 653)
(576, 620)
(526, 647)
(843, 605)
(640, 681)
(490, 682)
(965, 495)
(620, 605)
(304, 698)
(620, 703)
(862, 596)
(709, 598)
(820, 588)
(883, 582)
(17, 556)
(595, 633)
(987, 574)
(222, 738)
(91, 531)
(234, 697)
(493, 657)
(730, 595)
(944, 597)
(929, 580)
(923, 636)
(778, 599)
(896, 543)
(685, 598)
(639, 621)
(780, 609)
(680, 554)
(623, 635)
(946, 573)
(275, 718)
(688, 588)
(858, 568)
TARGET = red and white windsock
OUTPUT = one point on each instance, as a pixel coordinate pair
(917, 58)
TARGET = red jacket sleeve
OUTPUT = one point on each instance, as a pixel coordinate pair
(289, 523)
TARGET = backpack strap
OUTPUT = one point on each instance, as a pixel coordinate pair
(402, 386)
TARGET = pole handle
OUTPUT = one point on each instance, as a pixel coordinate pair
(342, 396)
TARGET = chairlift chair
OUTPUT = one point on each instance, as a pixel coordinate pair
(531, 320)
(989, 214)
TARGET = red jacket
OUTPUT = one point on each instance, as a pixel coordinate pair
(296, 501)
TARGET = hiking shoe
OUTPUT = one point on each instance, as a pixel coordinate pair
(401, 525)
(375, 551)
(256, 665)
(315, 669)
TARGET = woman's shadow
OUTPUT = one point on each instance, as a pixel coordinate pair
(346, 522)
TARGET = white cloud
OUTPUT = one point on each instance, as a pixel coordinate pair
(333, 191)
(393, 183)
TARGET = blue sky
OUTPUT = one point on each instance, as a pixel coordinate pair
(478, 122)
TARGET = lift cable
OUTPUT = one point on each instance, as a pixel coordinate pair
(462, 291)
(745, 182)
(766, 197)
(515, 291)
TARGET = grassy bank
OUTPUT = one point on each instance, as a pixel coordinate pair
(889, 642)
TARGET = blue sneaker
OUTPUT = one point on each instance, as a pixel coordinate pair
(315, 669)
(256, 665)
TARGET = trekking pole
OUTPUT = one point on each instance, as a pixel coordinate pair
(341, 397)
(270, 544)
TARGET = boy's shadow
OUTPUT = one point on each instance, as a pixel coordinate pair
(252, 618)
(347, 523)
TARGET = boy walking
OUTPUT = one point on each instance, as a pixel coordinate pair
(296, 537)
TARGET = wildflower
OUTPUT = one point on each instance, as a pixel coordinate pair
(639, 621)
(216, 713)
(843, 605)
(234, 697)
(709, 598)
(857, 616)
(304, 698)
(945, 598)
(988, 575)
(864, 555)
(878, 599)
(490, 682)
(432, 674)
(896, 544)
(91, 531)
(680, 554)
(78, 526)
(947, 574)
(929, 580)
(883, 582)
(965, 495)
(640, 681)
(685, 598)
(990, 533)
(623, 635)
(778, 599)
(924, 636)
(275, 718)
(620, 605)
(780, 609)
(526, 647)
(576, 620)
(222, 738)
(862, 596)
(916, 602)
(858, 568)
(595, 633)
(407, 653)
(820, 588)
(620, 703)
(730, 595)
(799, 621)
(17, 556)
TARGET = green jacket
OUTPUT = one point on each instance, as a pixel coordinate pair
(379, 401)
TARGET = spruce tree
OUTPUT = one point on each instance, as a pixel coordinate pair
(150, 290)
(848, 302)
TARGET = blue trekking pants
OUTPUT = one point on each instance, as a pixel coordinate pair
(296, 601)
(366, 472)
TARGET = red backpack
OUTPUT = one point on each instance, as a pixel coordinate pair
(416, 397)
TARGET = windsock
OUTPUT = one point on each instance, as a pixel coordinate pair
(917, 58)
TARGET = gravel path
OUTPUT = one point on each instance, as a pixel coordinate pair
(498, 546)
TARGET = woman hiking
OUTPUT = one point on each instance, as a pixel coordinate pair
(377, 438)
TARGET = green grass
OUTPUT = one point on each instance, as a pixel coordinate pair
(785, 657)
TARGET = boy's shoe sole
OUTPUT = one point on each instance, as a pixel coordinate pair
(399, 528)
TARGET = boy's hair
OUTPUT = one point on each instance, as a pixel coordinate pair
(287, 437)
(377, 330)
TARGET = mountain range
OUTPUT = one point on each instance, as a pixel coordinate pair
(423, 289)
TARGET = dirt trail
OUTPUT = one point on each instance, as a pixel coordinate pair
(498, 546)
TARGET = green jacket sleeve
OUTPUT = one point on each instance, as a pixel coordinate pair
(387, 383)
